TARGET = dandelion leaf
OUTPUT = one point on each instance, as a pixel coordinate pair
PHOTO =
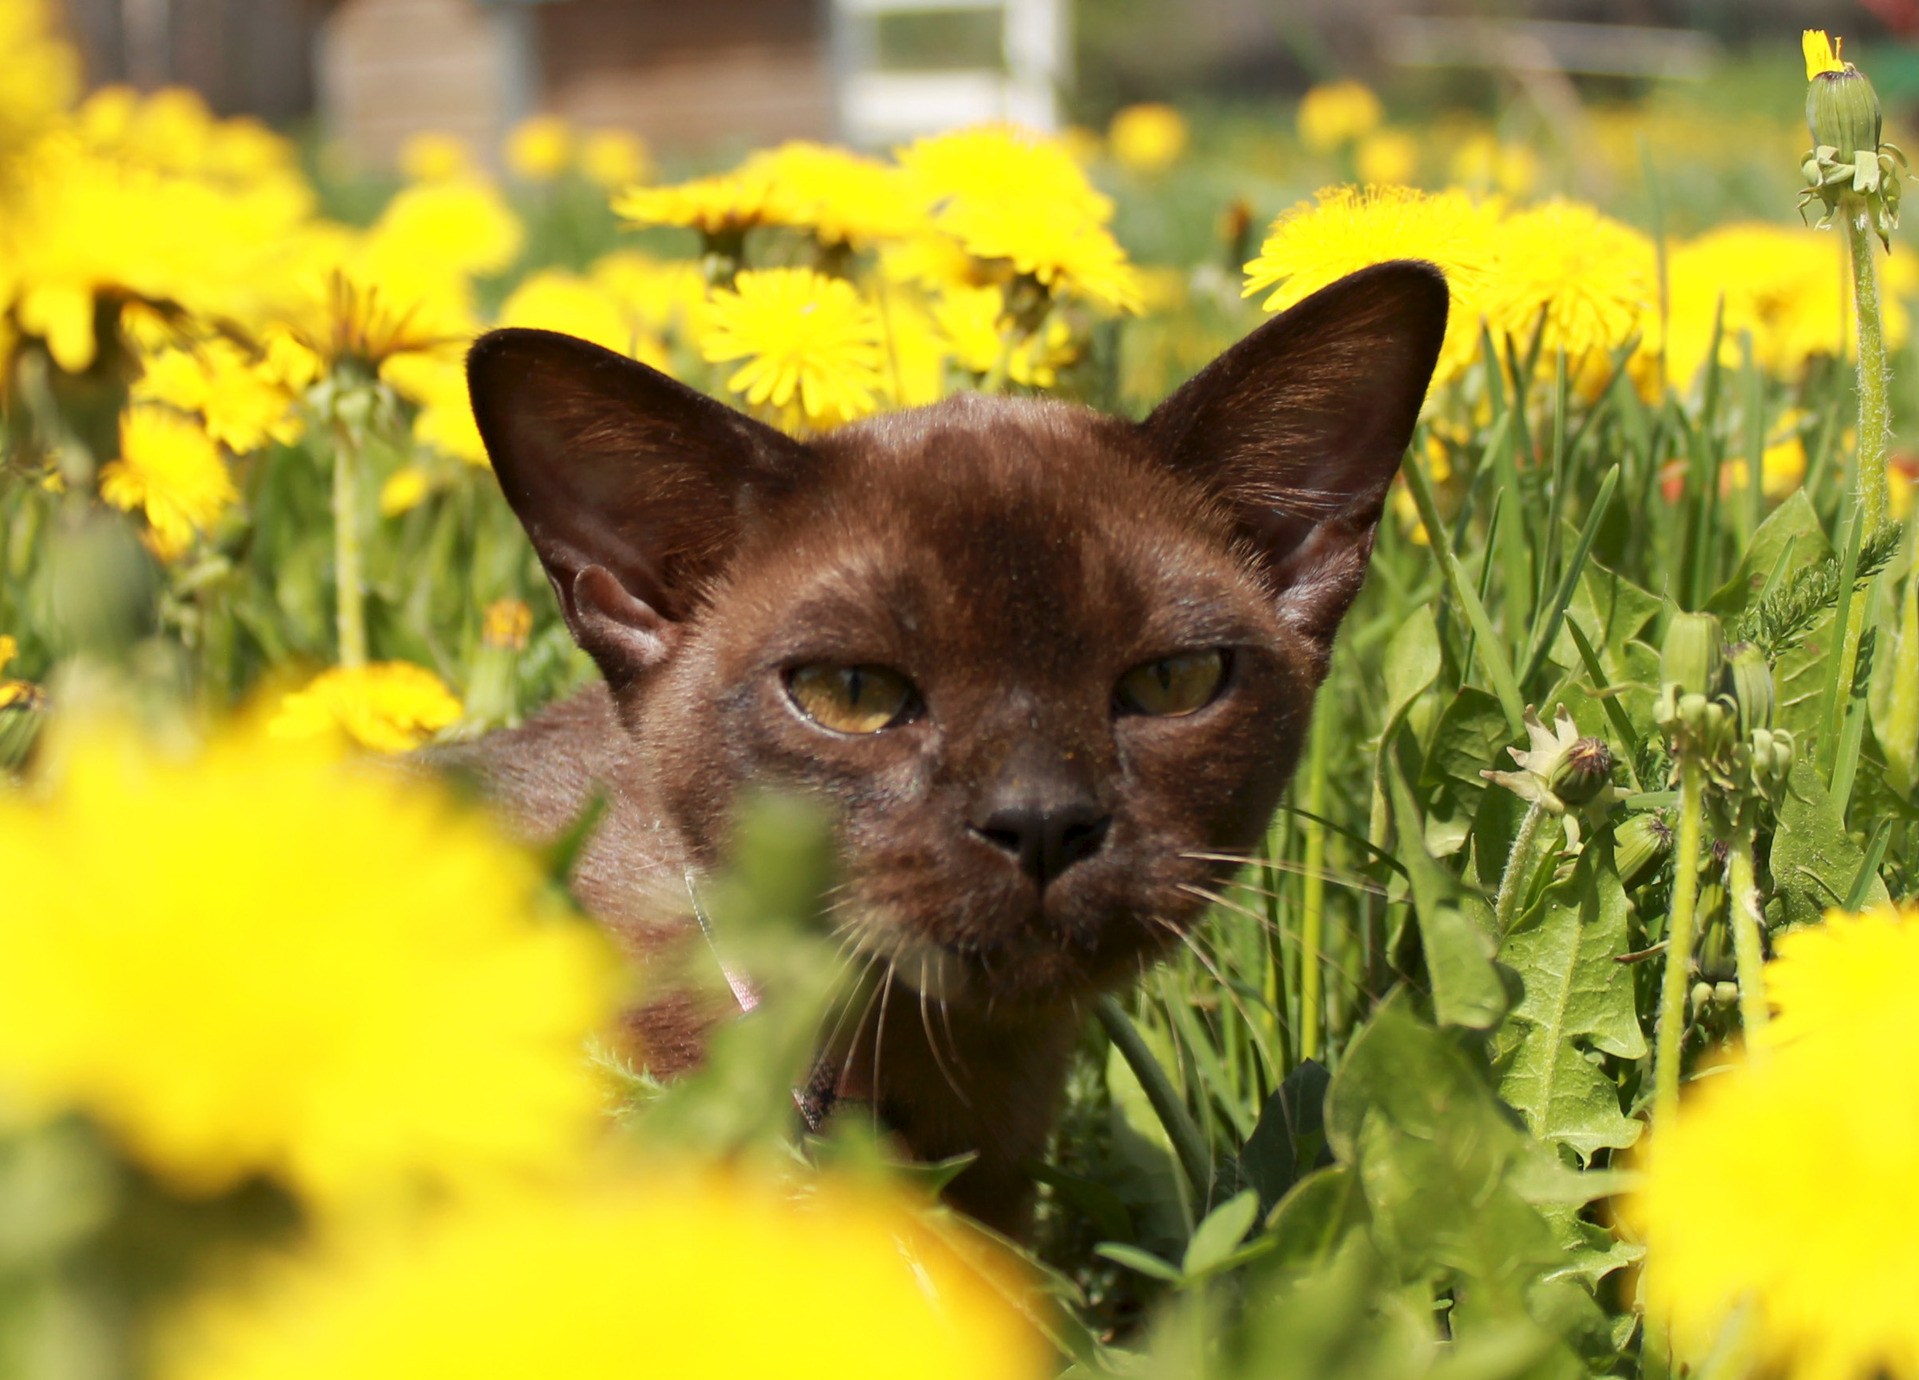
(1791, 528)
(1814, 859)
(1472, 731)
(1577, 1001)
(1455, 930)
(1290, 1137)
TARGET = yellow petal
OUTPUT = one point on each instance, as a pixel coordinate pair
(1822, 54)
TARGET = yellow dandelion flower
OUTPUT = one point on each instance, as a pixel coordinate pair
(613, 158)
(984, 339)
(391, 706)
(1148, 138)
(1347, 228)
(811, 345)
(1784, 1192)
(294, 968)
(1592, 279)
(15, 694)
(436, 381)
(1002, 163)
(506, 623)
(558, 301)
(539, 148)
(1484, 164)
(242, 399)
(1388, 158)
(1822, 53)
(404, 490)
(1335, 114)
(715, 1274)
(171, 470)
(661, 294)
(1053, 242)
(40, 77)
(839, 196)
(460, 226)
(724, 203)
(433, 157)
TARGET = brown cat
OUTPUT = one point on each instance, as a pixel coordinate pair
(1040, 662)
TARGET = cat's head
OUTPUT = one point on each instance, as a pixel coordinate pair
(1049, 668)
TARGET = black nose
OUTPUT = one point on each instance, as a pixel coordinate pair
(1045, 837)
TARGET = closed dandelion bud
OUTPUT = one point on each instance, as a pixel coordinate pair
(1725, 994)
(1701, 995)
(1751, 685)
(1842, 109)
(1692, 654)
(1583, 770)
(1640, 845)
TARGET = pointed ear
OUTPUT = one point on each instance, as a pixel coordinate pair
(1301, 426)
(632, 486)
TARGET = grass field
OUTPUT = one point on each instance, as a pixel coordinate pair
(1577, 1068)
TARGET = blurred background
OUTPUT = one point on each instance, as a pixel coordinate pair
(701, 79)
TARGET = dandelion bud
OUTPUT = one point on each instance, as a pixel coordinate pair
(1751, 685)
(1583, 770)
(1692, 655)
(1639, 846)
(1842, 109)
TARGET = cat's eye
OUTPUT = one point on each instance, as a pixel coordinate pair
(851, 699)
(1173, 685)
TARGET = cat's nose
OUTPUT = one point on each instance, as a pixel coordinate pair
(1045, 837)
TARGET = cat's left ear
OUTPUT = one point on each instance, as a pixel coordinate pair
(1301, 426)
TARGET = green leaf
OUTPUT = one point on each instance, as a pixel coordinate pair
(1455, 928)
(1412, 663)
(1219, 1235)
(1471, 735)
(1290, 1134)
(1814, 862)
(1145, 1262)
(1576, 999)
(1790, 529)
(1312, 1221)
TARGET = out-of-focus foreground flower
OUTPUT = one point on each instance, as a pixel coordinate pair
(1777, 1211)
(687, 1275)
(259, 960)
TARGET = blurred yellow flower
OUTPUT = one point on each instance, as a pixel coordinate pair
(811, 345)
(839, 196)
(404, 490)
(539, 148)
(1346, 228)
(432, 157)
(244, 401)
(613, 158)
(686, 1274)
(391, 706)
(1592, 279)
(293, 967)
(1335, 114)
(984, 339)
(1001, 162)
(14, 694)
(662, 295)
(553, 300)
(1148, 138)
(1822, 53)
(506, 623)
(1388, 158)
(171, 470)
(724, 203)
(1484, 164)
(1785, 1191)
(39, 78)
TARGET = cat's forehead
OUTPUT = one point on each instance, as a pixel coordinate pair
(989, 524)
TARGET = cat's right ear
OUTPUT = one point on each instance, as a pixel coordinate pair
(632, 486)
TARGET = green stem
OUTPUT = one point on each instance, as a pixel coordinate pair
(1188, 1143)
(1875, 407)
(1677, 976)
(1747, 927)
(1313, 907)
(349, 581)
(1519, 867)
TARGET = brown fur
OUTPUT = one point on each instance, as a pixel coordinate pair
(1012, 559)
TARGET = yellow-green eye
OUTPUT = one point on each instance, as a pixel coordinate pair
(851, 699)
(1173, 685)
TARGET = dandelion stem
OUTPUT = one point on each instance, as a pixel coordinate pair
(1519, 866)
(1188, 1143)
(1671, 1032)
(1875, 408)
(1747, 926)
(1313, 907)
(349, 581)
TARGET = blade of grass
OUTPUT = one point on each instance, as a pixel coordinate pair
(1556, 611)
